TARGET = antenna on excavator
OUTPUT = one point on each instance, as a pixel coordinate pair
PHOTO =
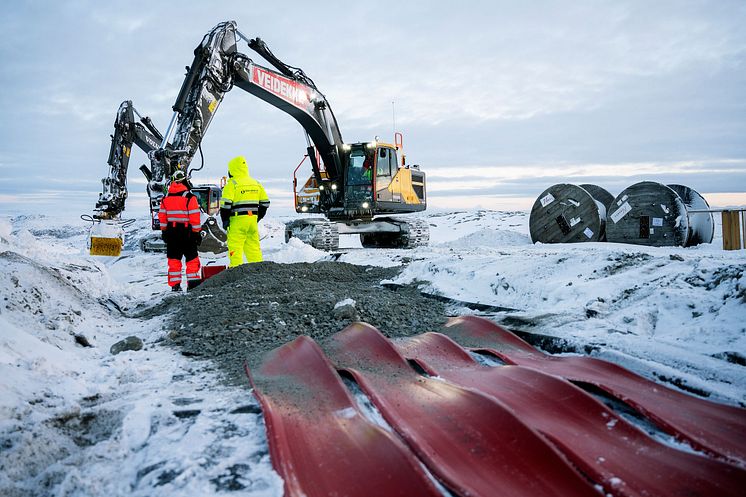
(393, 117)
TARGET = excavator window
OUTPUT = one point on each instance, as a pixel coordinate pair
(383, 166)
(359, 172)
(393, 162)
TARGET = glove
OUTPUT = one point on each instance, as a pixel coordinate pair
(225, 217)
(197, 237)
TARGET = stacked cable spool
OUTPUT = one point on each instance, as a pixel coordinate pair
(654, 214)
(566, 213)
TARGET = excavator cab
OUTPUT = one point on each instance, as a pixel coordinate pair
(399, 187)
(208, 197)
(377, 183)
(359, 184)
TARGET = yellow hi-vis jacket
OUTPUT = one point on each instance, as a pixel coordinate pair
(244, 202)
(242, 195)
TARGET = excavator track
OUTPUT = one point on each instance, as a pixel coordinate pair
(319, 233)
(417, 233)
(412, 233)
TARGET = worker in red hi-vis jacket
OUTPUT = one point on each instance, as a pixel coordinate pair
(180, 229)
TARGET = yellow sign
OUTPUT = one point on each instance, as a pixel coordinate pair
(106, 246)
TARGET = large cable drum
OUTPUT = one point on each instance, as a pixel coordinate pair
(566, 213)
(701, 224)
(600, 195)
(650, 213)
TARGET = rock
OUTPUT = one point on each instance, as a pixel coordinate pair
(82, 341)
(346, 312)
(129, 343)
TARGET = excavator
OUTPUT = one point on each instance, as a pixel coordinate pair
(359, 188)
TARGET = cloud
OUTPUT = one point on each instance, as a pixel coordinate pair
(496, 94)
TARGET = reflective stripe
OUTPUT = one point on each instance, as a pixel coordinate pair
(176, 212)
(197, 227)
(264, 202)
(175, 272)
(177, 219)
(193, 276)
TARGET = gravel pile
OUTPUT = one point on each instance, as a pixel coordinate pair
(243, 312)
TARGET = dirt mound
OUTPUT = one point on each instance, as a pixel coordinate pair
(246, 311)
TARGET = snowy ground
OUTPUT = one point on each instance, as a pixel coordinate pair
(76, 420)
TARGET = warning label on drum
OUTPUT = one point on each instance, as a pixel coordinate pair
(621, 212)
(588, 233)
(546, 199)
(657, 221)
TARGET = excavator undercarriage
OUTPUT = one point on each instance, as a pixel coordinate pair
(380, 233)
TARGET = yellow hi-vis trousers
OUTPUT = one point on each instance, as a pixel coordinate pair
(243, 238)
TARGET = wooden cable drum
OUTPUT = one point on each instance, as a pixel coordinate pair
(701, 224)
(648, 213)
(566, 213)
(600, 195)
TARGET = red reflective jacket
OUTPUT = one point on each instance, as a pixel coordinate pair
(179, 208)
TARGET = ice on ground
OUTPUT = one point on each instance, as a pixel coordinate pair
(344, 302)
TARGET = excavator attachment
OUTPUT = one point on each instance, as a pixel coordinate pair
(106, 237)
(152, 243)
(214, 239)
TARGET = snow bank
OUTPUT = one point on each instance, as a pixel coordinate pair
(668, 313)
(76, 420)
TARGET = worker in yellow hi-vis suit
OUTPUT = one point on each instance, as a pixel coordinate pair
(243, 205)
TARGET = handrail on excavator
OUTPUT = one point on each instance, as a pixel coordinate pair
(295, 181)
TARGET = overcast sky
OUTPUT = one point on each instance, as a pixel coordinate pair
(497, 100)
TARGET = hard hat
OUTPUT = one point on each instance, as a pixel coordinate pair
(178, 176)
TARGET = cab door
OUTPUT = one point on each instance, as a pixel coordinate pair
(385, 172)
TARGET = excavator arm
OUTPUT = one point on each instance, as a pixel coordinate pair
(127, 131)
(291, 91)
(218, 67)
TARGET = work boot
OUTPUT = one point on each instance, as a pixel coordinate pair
(176, 288)
(193, 284)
